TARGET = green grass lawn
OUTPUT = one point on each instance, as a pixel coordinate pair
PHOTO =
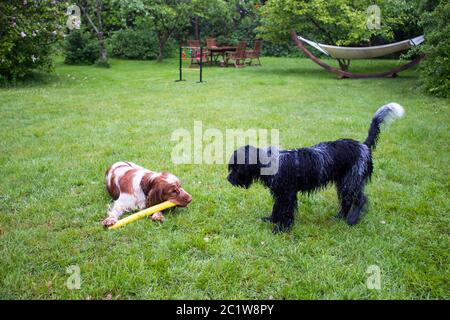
(58, 136)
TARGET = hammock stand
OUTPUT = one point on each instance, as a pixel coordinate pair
(344, 63)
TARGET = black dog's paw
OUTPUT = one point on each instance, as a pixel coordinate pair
(282, 227)
(267, 219)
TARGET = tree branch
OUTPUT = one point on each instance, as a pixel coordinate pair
(321, 29)
(99, 15)
(89, 18)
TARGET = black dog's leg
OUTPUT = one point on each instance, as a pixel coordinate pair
(345, 201)
(345, 195)
(357, 208)
(283, 211)
(345, 208)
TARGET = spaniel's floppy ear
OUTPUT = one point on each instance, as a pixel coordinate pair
(149, 185)
(154, 197)
(147, 182)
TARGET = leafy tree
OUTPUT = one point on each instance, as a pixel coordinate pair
(435, 69)
(403, 18)
(124, 14)
(338, 22)
(237, 20)
(96, 6)
(234, 20)
(167, 18)
(28, 29)
(114, 18)
(207, 12)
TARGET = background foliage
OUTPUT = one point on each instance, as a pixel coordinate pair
(338, 22)
(80, 48)
(152, 29)
(133, 44)
(27, 31)
(435, 70)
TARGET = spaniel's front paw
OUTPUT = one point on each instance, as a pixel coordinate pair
(109, 221)
(158, 216)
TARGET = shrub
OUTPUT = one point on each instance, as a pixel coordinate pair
(80, 48)
(28, 30)
(102, 64)
(135, 44)
(435, 69)
(280, 50)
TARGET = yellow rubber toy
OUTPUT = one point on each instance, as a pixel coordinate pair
(143, 213)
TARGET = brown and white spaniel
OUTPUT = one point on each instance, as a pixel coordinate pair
(133, 187)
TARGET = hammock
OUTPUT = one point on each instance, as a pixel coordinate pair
(351, 53)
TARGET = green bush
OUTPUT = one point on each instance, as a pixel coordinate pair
(287, 49)
(80, 48)
(28, 30)
(435, 69)
(135, 44)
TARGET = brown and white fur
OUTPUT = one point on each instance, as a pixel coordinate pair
(133, 187)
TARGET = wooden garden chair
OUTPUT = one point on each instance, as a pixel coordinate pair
(255, 53)
(238, 56)
(195, 53)
(212, 44)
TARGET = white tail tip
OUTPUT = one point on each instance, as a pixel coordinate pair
(389, 112)
(396, 109)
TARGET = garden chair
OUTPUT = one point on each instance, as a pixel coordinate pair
(194, 45)
(211, 43)
(238, 56)
(255, 53)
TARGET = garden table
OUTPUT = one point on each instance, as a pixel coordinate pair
(220, 50)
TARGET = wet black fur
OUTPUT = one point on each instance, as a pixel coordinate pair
(346, 163)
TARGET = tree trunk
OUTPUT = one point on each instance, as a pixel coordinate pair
(103, 50)
(162, 40)
(103, 58)
(197, 28)
(101, 37)
(344, 64)
(161, 52)
(162, 45)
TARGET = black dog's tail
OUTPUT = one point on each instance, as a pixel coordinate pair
(386, 113)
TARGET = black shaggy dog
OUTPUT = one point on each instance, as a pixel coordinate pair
(345, 162)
